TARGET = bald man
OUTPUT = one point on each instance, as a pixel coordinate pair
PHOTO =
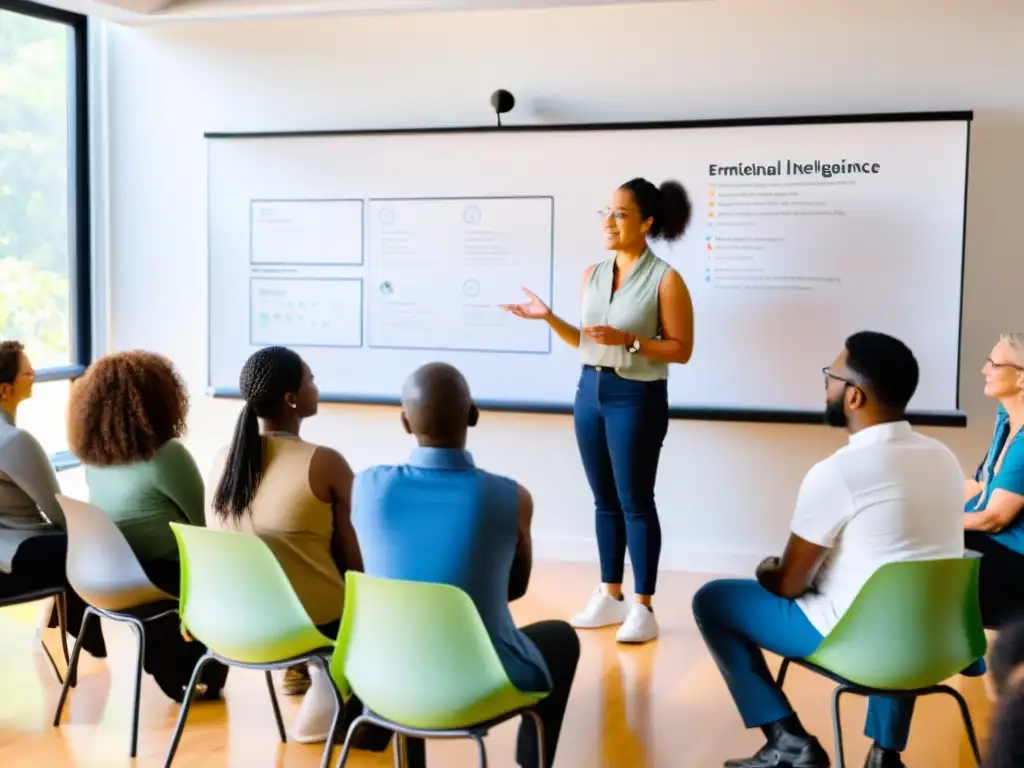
(439, 519)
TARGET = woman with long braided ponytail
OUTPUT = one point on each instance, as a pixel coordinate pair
(295, 496)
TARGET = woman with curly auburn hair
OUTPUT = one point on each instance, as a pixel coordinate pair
(125, 419)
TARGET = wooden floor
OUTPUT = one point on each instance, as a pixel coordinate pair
(662, 705)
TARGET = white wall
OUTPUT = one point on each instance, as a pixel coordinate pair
(725, 490)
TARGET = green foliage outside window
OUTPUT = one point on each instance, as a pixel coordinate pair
(35, 76)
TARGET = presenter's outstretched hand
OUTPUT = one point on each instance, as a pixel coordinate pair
(534, 309)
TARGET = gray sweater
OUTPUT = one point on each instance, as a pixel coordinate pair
(28, 488)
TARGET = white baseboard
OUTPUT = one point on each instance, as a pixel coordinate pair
(568, 549)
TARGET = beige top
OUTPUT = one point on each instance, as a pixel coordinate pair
(294, 523)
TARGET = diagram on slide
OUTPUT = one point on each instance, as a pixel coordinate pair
(439, 268)
(306, 232)
(306, 312)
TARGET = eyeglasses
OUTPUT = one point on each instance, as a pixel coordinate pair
(604, 213)
(994, 364)
(828, 374)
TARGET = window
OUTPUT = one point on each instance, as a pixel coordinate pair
(44, 204)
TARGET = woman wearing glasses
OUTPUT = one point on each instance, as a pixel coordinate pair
(637, 318)
(993, 524)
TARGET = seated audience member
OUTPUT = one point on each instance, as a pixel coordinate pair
(293, 494)
(993, 524)
(28, 484)
(440, 519)
(889, 495)
(28, 502)
(1006, 731)
(125, 419)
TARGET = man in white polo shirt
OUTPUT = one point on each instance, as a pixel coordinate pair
(889, 495)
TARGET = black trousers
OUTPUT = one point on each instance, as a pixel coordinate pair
(39, 564)
(560, 647)
(1001, 585)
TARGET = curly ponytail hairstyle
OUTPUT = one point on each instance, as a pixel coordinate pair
(669, 206)
(267, 376)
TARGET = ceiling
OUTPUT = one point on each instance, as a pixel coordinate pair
(148, 12)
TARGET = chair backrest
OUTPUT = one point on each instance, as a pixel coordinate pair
(101, 566)
(236, 599)
(419, 654)
(913, 624)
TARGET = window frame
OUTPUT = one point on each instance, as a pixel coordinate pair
(79, 191)
(80, 261)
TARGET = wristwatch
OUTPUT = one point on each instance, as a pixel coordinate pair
(634, 346)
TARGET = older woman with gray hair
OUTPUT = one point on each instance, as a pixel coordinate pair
(994, 496)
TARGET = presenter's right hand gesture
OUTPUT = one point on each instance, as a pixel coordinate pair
(534, 309)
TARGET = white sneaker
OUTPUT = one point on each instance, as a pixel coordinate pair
(639, 627)
(312, 723)
(602, 611)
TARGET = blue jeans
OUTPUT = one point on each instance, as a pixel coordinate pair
(739, 617)
(620, 427)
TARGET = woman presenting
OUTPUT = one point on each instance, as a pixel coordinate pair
(637, 317)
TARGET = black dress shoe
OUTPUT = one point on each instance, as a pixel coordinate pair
(786, 751)
(883, 758)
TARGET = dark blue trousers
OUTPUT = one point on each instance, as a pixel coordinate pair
(620, 428)
(739, 617)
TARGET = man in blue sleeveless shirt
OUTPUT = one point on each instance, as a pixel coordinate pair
(439, 519)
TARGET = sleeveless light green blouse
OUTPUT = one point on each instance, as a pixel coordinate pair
(633, 309)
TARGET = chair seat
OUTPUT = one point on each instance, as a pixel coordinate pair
(463, 729)
(29, 596)
(494, 708)
(856, 687)
(975, 669)
(245, 649)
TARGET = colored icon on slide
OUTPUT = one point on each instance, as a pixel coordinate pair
(472, 215)
(471, 288)
(387, 288)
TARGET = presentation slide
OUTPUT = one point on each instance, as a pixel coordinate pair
(440, 268)
(306, 313)
(307, 231)
(802, 233)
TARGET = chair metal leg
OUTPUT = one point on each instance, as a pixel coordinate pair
(186, 704)
(277, 709)
(49, 658)
(965, 713)
(140, 632)
(339, 709)
(782, 673)
(61, 605)
(837, 727)
(72, 665)
(356, 725)
(482, 749)
(541, 751)
(400, 747)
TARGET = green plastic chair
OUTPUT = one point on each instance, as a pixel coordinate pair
(237, 601)
(420, 659)
(912, 626)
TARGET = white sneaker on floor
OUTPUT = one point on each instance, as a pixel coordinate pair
(312, 723)
(639, 626)
(602, 611)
